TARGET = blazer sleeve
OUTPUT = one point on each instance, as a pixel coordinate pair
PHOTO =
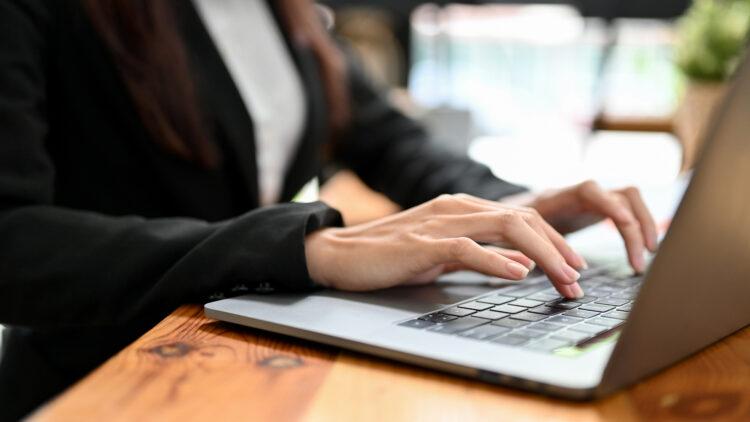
(394, 155)
(67, 267)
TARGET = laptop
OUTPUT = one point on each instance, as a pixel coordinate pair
(695, 292)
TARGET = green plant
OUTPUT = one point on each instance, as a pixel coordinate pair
(712, 35)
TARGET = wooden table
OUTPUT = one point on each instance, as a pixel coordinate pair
(192, 368)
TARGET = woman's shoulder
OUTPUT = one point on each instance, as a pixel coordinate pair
(21, 16)
(28, 9)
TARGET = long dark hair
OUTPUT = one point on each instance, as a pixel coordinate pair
(152, 60)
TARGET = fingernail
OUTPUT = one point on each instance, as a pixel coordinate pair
(532, 266)
(654, 244)
(576, 290)
(570, 273)
(517, 270)
(584, 264)
(639, 263)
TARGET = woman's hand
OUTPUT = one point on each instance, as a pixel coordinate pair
(574, 208)
(417, 245)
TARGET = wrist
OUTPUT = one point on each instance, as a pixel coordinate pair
(319, 248)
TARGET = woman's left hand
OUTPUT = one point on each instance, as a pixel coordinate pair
(576, 207)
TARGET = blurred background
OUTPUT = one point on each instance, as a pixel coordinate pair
(550, 93)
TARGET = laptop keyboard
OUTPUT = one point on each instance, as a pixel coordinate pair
(534, 316)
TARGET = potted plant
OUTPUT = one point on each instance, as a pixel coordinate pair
(711, 40)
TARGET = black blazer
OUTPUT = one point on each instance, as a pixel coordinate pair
(102, 233)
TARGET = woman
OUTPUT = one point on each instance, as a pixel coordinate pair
(148, 153)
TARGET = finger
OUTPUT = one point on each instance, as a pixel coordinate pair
(632, 235)
(506, 227)
(517, 256)
(545, 255)
(543, 228)
(572, 291)
(644, 217)
(558, 241)
(622, 215)
(487, 227)
(474, 257)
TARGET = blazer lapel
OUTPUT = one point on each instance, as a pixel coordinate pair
(224, 106)
(306, 162)
(227, 109)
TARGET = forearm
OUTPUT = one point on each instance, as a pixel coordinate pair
(66, 267)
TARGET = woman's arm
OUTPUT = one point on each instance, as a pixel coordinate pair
(393, 154)
(63, 266)
(68, 267)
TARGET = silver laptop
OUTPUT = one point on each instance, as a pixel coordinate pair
(696, 291)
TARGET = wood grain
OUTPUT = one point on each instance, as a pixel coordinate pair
(189, 368)
(714, 385)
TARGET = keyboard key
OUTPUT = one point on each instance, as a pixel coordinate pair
(491, 315)
(525, 290)
(437, 318)
(609, 287)
(586, 299)
(510, 323)
(477, 306)
(589, 329)
(612, 301)
(496, 299)
(564, 304)
(417, 323)
(589, 273)
(574, 337)
(484, 332)
(510, 340)
(596, 280)
(546, 326)
(626, 308)
(596, 307)
(551, 291)
(562, 319)
(459, 312)
(548, 344)
(526, 303)
(624, 295)
(623, 284)
(458, 325)
(528, 316)
(546, 310)
(528, 332)
(605, 322)
(544, 297)
(617, 314)
(508, 309)
(632, 280)
(578, 313)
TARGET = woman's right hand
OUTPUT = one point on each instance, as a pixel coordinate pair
(419, 244)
